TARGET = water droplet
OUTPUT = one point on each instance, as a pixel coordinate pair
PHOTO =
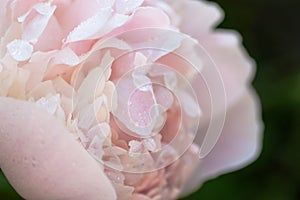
(20, 50)
(33, 162)
(129, 103)
(115, 177)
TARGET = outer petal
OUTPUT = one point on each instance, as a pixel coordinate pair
(234, 64)
(223, 46)
(208, 15)
(238, 145)
(42, 160)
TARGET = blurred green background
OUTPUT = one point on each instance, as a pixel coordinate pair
(271, 33)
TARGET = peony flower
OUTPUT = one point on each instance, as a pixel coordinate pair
(122, 99)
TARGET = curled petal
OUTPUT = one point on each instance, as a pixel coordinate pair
(231, 59)
(87, 29)
(210, 16)
(71, 14)
(42, 160)
(238, 145)
(37, 25)
(125, 6)
(20, 50)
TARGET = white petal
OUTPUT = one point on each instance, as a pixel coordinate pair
(50, 104)
(90, 27)
(20, 50)
(114, 22)
(94, 83)
(127, 6)
(66, 56)
(190, 104)
(37, 25)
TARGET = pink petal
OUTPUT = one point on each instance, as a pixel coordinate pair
(125, 6)
(71, 14)
(147, 17)
(238, 145)
(36, 26)
(208, 15)
(230, 72)
(21, 7)
(42, 160)
(231, 59)
(49, 41)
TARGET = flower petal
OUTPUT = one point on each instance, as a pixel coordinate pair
(3, 11)
(37, 25)
(71, 14)
(147, 17)
(42, 160)
(87, 29)
(238, 145)
(231, 59)
(209, 15)
(20, 50)
(125, 6)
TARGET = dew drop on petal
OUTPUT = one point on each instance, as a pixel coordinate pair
(20, 50)
(25, 158)
(50, 104)
(150, 144)
(115, 176)
(33, 162)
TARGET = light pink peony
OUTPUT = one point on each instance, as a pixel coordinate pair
(121, 99)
